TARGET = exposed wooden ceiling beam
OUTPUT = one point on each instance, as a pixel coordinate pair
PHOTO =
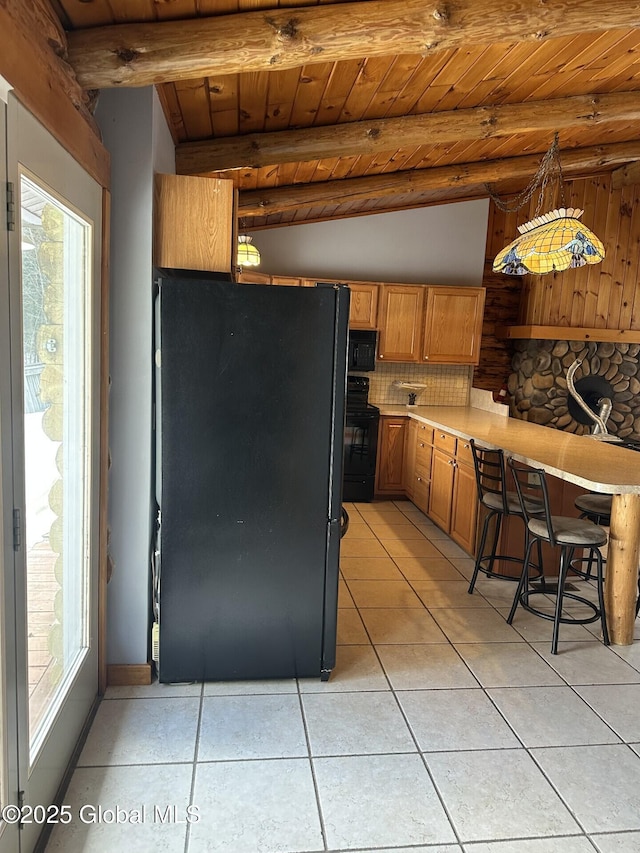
(148, 53)
(33, 43)
(254, 150)
(578, 162)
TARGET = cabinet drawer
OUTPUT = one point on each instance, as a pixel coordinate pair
(421, 491)
(444, 441)
(425, 433)
(423, 454)
(463, 452)
(423, 472)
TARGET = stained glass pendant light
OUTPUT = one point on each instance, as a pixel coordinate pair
(248, 254)
(553, 241)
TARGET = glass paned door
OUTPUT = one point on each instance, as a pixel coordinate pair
(54, 404)
(9, 833)
(56, 273)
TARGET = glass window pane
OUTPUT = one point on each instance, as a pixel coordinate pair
(55, 310)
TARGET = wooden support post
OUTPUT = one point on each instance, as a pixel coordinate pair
(621, 585)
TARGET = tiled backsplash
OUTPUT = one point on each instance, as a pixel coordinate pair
(448, 385)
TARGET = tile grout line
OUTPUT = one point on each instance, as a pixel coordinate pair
(316, 789)
(493, 704)
(404, 716)
(192, 789)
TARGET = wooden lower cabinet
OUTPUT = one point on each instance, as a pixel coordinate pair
(390, 457)
(409, 462)
(453, 500)
(440, 499)
(417, 463)
(434, 470)
(464, 510)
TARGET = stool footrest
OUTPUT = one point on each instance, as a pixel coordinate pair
(490, 573)
(566, 620)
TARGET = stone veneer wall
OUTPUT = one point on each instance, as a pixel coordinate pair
(538, 385)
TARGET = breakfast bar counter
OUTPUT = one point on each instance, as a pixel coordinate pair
(583, 460)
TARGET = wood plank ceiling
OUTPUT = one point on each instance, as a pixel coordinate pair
(390, 131)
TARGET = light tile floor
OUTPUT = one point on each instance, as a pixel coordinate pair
(441, 730)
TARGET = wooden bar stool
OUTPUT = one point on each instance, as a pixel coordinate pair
(569, 534)
(499, 502)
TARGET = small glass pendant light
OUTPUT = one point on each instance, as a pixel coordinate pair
(248, 254)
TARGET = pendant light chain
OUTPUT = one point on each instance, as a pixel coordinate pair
(549, 169)
(552, 241)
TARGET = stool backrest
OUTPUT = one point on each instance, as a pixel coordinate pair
(490, 473)
(532, 484)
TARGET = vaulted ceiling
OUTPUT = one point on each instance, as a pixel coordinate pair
(319, 109)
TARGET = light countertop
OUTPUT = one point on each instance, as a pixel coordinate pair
(585, 461)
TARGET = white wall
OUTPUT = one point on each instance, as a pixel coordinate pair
(444, 244)
(136, 136)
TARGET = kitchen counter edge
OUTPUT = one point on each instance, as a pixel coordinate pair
(583, 460)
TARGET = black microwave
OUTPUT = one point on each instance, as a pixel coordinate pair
(362, 349)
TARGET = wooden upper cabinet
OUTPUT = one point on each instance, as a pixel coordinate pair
(286, 280)
(453, 325)
(194, 223)
(400, 322)
(250, 277)
(363, 311)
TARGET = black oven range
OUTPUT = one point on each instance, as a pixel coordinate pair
(360, 441)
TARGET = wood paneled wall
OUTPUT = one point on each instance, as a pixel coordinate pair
(501, 307)
(603, 296)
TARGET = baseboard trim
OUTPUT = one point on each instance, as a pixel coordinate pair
(128, 674)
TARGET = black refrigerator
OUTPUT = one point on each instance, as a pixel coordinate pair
(249, 392)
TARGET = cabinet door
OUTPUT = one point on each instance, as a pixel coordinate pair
(453, 325)
(401, 321)
(441, 492)
(363, 312)
(410, 447)
(389, 468)
(464, 510)
(193, 223)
